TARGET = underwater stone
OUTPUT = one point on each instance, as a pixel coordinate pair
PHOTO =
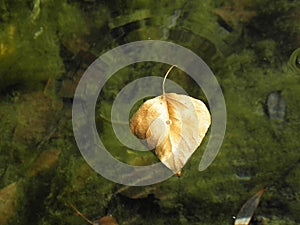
(276, 106)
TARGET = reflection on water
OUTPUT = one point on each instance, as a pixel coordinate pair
(45, 47)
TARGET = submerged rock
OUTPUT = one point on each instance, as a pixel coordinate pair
(276, 106)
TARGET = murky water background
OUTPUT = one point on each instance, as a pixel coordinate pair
(251, 46)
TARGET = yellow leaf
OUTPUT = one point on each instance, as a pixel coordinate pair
(173, 125)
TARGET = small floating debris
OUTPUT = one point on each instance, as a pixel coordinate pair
(276, 106)
(246, 212)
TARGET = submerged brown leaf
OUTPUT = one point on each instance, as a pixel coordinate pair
(172, 124)
(8, 201)
(46, 160)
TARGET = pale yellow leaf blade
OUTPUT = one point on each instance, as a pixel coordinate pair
(174, 125)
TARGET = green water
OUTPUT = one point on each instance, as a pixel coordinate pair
(46, 45)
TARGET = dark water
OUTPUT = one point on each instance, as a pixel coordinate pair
(252, 47)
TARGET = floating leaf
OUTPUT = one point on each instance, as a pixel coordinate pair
(172, 124)
(245, 214)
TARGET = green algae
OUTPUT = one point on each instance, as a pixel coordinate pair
(28, 58)
(30, 42)
(250, 61)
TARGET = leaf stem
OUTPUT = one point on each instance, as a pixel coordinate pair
(80, 214)
(167, 73)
